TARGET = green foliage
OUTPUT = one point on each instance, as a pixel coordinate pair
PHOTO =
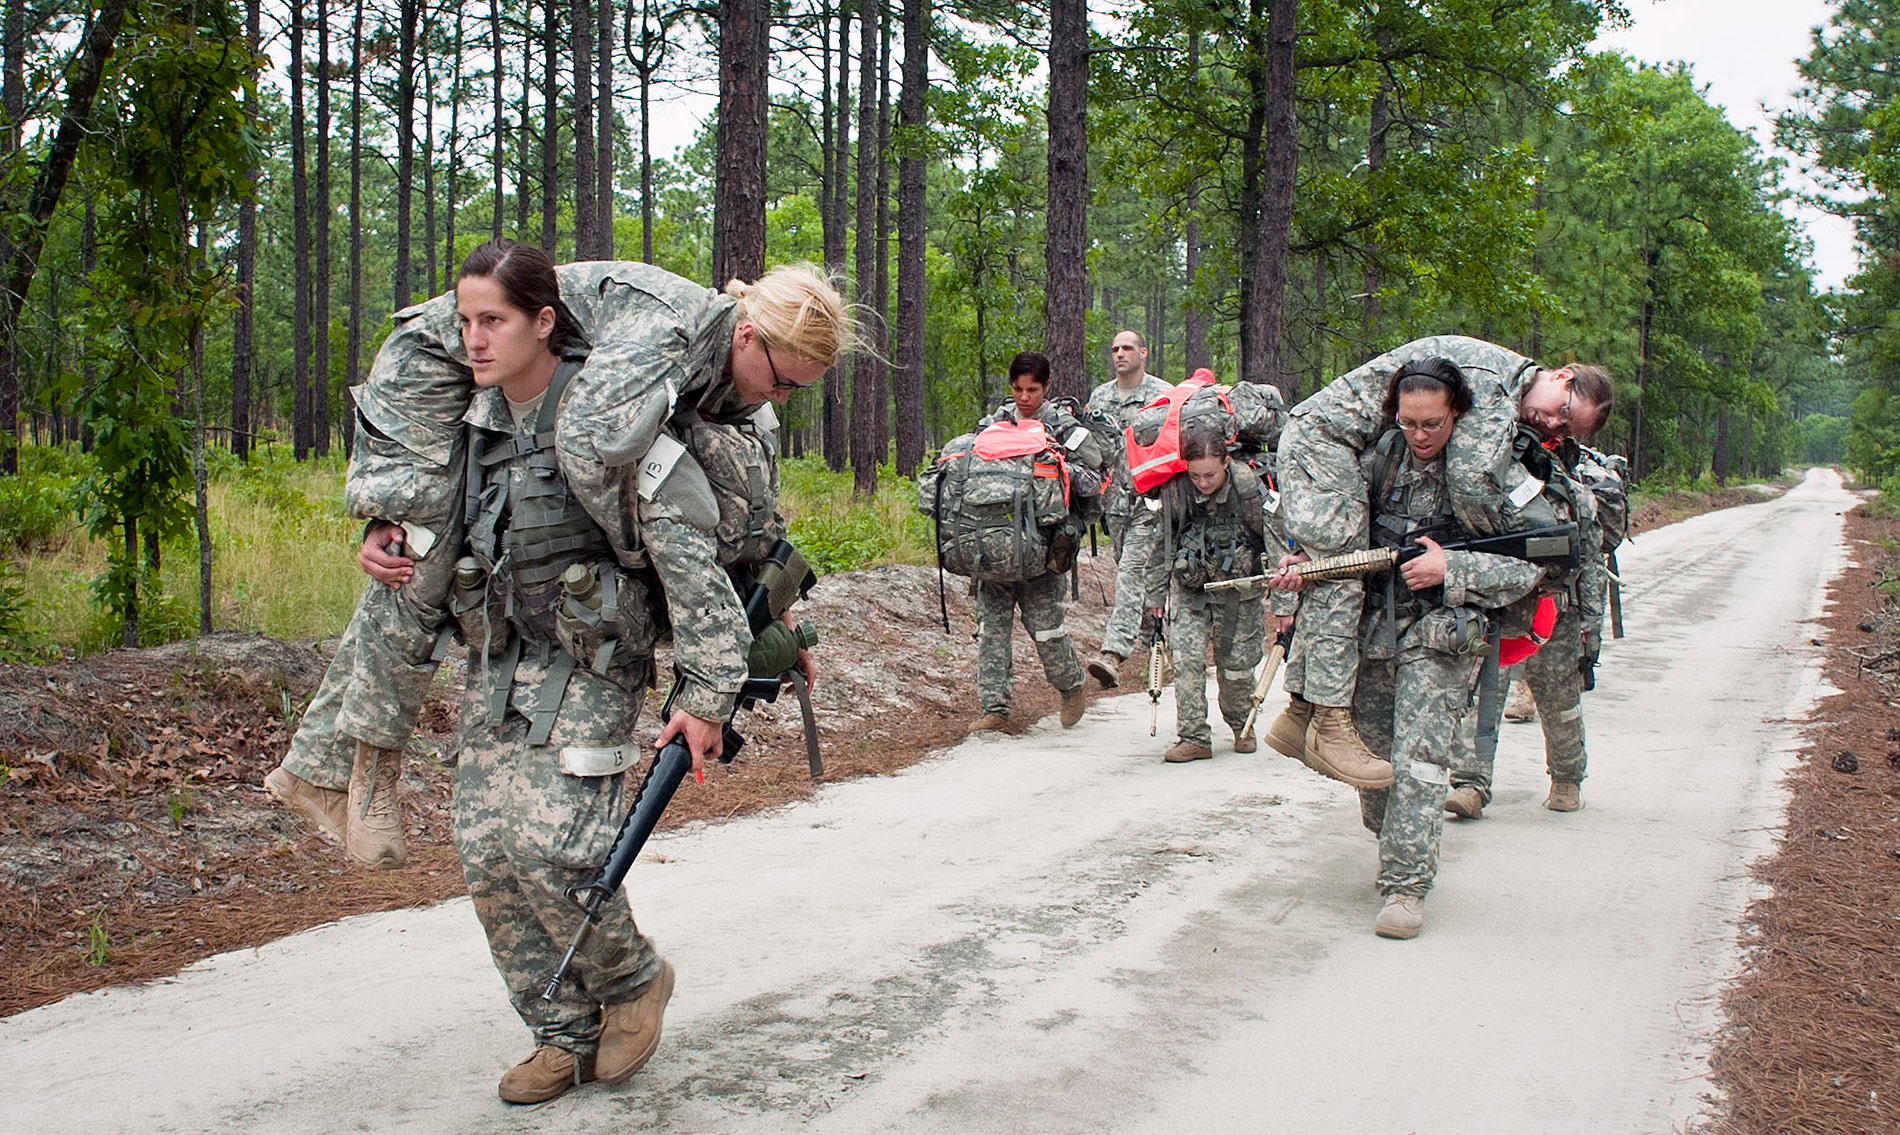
(98, 941)
(14, 632)
(838, 532)
(36, 509)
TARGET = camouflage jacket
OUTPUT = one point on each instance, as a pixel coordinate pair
(1117, 407)
(1490, 492)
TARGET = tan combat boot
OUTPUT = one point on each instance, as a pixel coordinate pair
(1181, 752)
(1073, 705)
(1523, 704)
(997, 721)
(1565, 796)
(327, 808)
(630, 1031)
(1333, 748)
(1106, 669)
(1401, 917)
(546, 1073)
(1244, 741)
(374, 837)
(1287, 735)
(1466, 803)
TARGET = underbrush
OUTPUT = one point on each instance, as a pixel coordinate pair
(283, 550)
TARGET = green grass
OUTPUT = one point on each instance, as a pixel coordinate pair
(284, 552)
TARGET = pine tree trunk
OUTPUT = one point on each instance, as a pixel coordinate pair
(495, 46)
(524, 140)
(550, 128)
(864, 443)
(911, 233)
(1065, 301)
(425, 146)
(453, 170)
(1377, 125)
(739, 184)
(837, 436)
(401, 285)
(320, 249)
(882, 428)
(242, 332)
(586, 177)
(200, 472)
(354, 366)
(300, 416)
(1281, 162)
(604, 127)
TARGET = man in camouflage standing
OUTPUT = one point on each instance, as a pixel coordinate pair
(1325, 508)
(1134, 528)
(1563, 667)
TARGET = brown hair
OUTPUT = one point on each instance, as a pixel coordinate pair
(1033, 364)
(526, 276)
(1593, 384)
(1202, 441)
(797, 309)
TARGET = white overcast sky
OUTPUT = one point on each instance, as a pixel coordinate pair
(1742, 51)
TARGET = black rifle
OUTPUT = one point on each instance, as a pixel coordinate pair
(1553, 544)
(782, 579)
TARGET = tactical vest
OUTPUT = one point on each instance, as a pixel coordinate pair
(740, 460)
(539, 574)
(1222, 538)
(1403, 506)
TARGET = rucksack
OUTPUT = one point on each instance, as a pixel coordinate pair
(997, 497)
(1248, 416)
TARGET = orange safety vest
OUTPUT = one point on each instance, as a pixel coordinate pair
(1150, 466)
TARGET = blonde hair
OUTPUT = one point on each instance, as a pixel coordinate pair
(797, 309)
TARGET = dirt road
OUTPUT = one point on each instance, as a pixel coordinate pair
(1057, 932)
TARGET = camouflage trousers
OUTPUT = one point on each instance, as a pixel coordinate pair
(1417, 709)
(1323, 505)
(375, 683)
(1235, 627)
(1552, 675)
(1044, 615)
(1141, 582)
(526, 832)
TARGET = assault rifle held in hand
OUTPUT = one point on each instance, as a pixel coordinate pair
(1276, 655)
(1552, 544)
(779, 582)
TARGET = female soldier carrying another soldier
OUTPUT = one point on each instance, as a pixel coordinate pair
(1422, 636)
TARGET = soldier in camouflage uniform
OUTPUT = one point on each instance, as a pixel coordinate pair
(634, 480)
(1040, 598)
(1132, 521)
(1325, 510)
(1554, 673)
(1222, 533)
(1422, 636)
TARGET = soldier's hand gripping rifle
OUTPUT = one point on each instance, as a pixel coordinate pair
(778, 583)
(1553, 544)
(1276, 655)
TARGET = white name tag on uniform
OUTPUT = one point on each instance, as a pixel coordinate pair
(765, 419)
(1076, 437)
(416, 540)
(580, 760)
(657, 464)
(1526, 492)
(1427, 773)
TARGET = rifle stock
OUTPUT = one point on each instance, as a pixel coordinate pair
(1270, 669)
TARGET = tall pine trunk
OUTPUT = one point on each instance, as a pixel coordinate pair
(320, 249)
(301, 420)
(452, 172)
(739, 184)
(353, 365)
(586, 189)
(604, 126)
(1280, 164)
(242, 332)
(912, 114)
(865, 450)
(495, 46)
(550, 128)
(882, 427)
(837, 436)
(1065, 302)
(401, 285)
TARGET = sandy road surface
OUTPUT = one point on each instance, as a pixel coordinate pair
(1057, 932)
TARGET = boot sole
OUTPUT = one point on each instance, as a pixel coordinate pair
(664, 983)
(1321, 767)
(1284, 749)
(1101, 673)
(1400, 932)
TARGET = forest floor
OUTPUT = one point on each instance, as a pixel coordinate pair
(131, 806)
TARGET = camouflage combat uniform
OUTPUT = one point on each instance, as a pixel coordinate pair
(1414, 696)
(1133, 529)
(407, 467)
(1553, 673)
(1219, 537)
(1324, 492)
(1040, 599)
